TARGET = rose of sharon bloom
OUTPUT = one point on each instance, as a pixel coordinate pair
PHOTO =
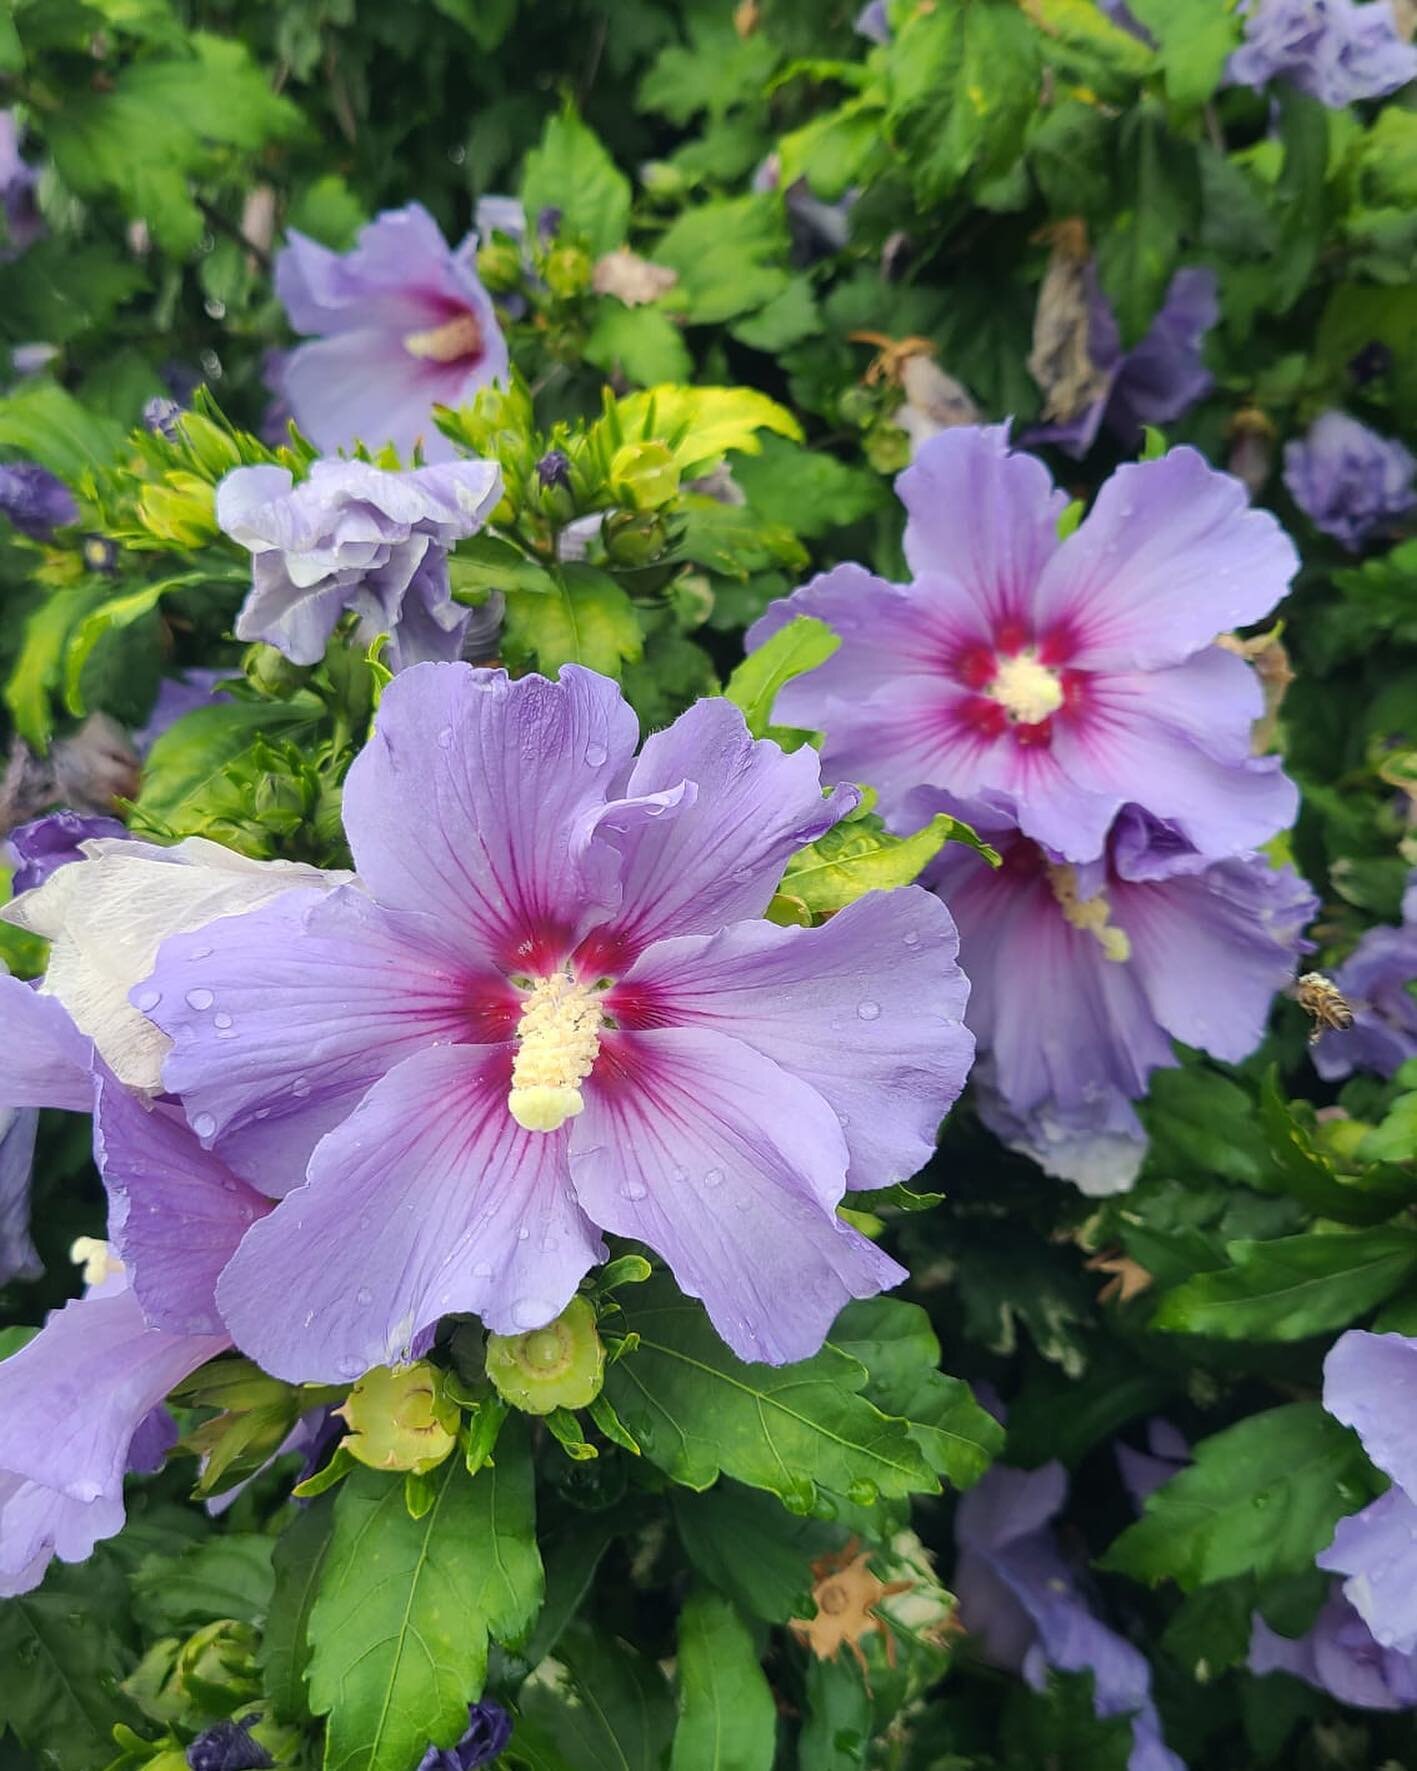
(1155, 382)
(1022, 1603)
(555, 977)
(1083, 975)
(53, 841)
(1334, 50)
(105, 915)
(1378, 981)
(1055, 680)
(18, 1257)
(489, 1728)
(1340, 1656)
(402, 325)
(1348, 480)
(352, 536)
(1370, 1384)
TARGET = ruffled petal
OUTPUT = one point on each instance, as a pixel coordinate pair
(44, 1060)
(429, 1199)
(1377, 1550)
(866, 1009)
(1363, 1375)
(38, 1523)
(466, 803)
(729, 1168)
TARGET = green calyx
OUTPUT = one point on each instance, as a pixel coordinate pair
(400, 1419)
(559, 1366)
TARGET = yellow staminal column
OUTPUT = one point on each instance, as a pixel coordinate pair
(1026, 690)
(454, 339)
(1092, 915)
(558, 1040)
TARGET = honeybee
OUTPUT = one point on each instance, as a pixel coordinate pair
(1324, 1003)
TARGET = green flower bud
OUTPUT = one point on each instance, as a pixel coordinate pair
(634, 538)
(499, 264)
(559, 1366)
(400, 1419)
(213, 450)
(644, 475)
(216, 1669)
(887, 447)
(182, 510)
(567, 271)
(272, 672)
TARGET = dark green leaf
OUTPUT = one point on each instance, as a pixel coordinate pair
(727, 1717)
(608, 1709)
(227, 1576)
(285, 1647)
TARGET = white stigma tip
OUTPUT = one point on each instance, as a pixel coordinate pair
(1026, 690)
(544, 1109)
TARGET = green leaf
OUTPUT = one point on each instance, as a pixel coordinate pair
(897, 1345)
(1261, 1498)
(698, 1411)
(744, 1544)
(192, 756)
(1158, 206)
(641, 343)
(860, 855)
(811, 492)
(716, 71)
(1195, 38)
(328, 211)
(299, 1562)
(109, 617)
(604, 1707)
(729, 254)
(727, 1717)
(400, 1629)
(1293, 1287)
(485, 563)
(787, 319)
(37, 669)
(701, 424)
(571, 171)
(791, 652)
(227, 1576)
(585, 618)
(40, 420)
(837, 1728)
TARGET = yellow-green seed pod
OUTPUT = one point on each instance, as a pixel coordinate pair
(400, 1419)
(559, 1366)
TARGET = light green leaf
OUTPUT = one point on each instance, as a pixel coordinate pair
(42, 421)
(813, 493)
(485, 563)
(585, 618)
(718, 70)
(118, 612)
(400, 1629)
(791, 652)
(698, 1411)
(328, 211)
(1195, 39)
(642, 343)
(701, 424)
(860, 855)
(1261, 1498)
(299, 1562)
(727, 1717)
(571, 171)
(729, 254)
(37, 669)
(1293, 1287)
(787, 319)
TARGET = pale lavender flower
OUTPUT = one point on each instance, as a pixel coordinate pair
(1143, 1472)
(489, 1728)
(1339, 1655)
(1378, 980)
(402, 324)
(1349, 481)
(352, 536)
(1023, 1604)
(22, 223)
(1055, 680)
(53, 841)
(1155, 382)
(36, 501)
(1083, 975)
(1334, 50)
(550, 1008)
(873, 22)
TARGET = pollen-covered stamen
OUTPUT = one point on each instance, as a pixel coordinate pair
(449, 343)
(97, 1259)
(558, 1040)
(1091, 915)
(1026, 690)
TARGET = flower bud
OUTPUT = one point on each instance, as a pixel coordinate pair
(634, 538)
(567, 271)
(272, 673)
(559, 1366)
(499, 264)
(644, 475)
(182, 510)
(400, 1419)
(212, 448)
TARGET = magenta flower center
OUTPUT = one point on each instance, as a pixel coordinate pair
(455, 339)
(558, 1041)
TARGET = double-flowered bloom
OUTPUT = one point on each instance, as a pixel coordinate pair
(1335, 50)
(1349, 481)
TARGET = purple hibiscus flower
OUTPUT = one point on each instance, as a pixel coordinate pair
(1339, 1655)
(402, 325)
(1155, 382)
(35, 500)
(53, 841)
(549, 1009)
(1334, 50)
(1083, 975)
(23, 225)
(1369, 1382)
(1022, 1603)
(489, 1728)
(353, 536)
(1055, 680)
(1377, 981)
(1349, 481)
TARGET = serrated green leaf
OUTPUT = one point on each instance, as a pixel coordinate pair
(729, 254)
(486, 563)
(570, 171)
(1195, 39)
(1291, 1288)
(743, 1542)
(117, 612)
(860, 855)
(698, 1411)
(298, 1560)
(226, 1576)
(1158, 206)
(727, 1717)
(1261, 1498)
(701, 424)
(584, 617)
(400, 1629)
(787, 319)
(642, 343)
(792, 651)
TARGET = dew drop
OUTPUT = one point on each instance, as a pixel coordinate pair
(595, 754)
(364, 1297)
(147, 999)
(351, 1367)
(200, 953)
(309, 1319)
(523, 1235)
(863, 1492)
(912, 937)
(222, 1020)
(483, 1270)
(633, 1190)
(300, 1087)
(714, 1178)
(445, 738)
(200, 998)
(679, 1175)
(204, 1125)
(868, 1010)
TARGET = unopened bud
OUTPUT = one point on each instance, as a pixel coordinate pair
(644, 475)
(499, 264)
(567, 271)
(181, 510)
(400, 1419)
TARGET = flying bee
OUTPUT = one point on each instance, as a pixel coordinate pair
(1324, 1003)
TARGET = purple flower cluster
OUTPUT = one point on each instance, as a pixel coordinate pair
(1378, 981)
(1068, 697)
(1337, 51)
(1349, 481)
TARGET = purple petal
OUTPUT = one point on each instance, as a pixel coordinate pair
(881, 975)
(730, 1169)
(38, 1523)
(1377, 1549)
(44, 1060)
(363, 387)
(1364, 1374)
(1339, 1656)
(53, 841)
(19, 1258)
(429, 1199)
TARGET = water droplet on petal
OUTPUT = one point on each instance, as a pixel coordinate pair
(483, 1270)
(714, 1178)
(633, 1190)
(445, 738)
(523, 1235)
(351, 1367)
(741, 875)
(204, 1125)
(868, 1010)
(595, 754)
(912, 937)
(147, 999)
(300, 1087)
(200, 999)
(364, 1297)
(200, 953)
(221, 1020)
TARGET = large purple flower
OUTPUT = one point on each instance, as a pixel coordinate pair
(1158, 380)
(549, 1008)
(1370, 1381)
(1379, 982)
(1055, 680)
(353, 536)
(402, 324)
(1022, 1603)
(1082, 976)
(1334, 50)
(1338, 1655)
(1348, 480)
